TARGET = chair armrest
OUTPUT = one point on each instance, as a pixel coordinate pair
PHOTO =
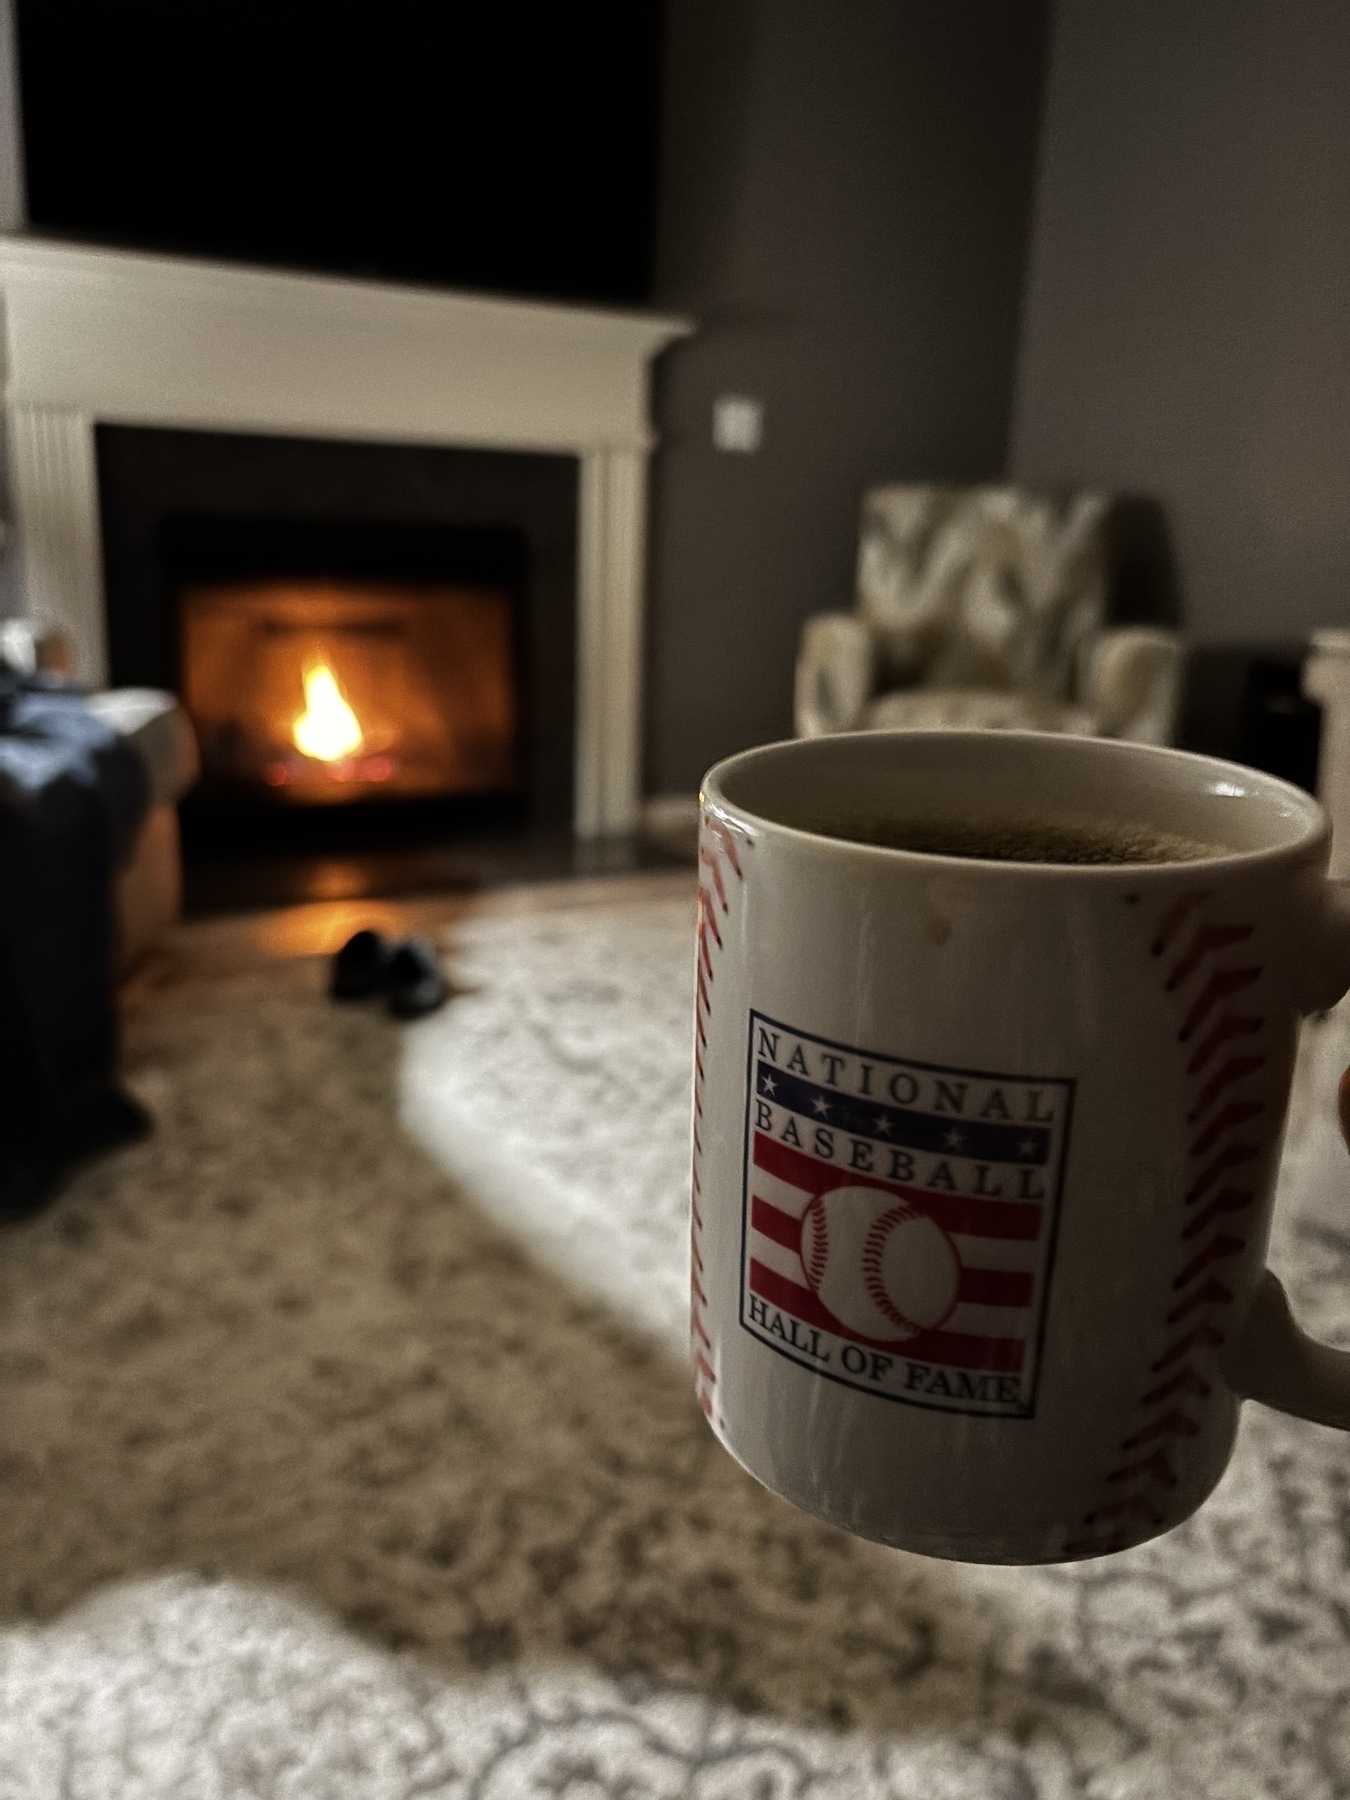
(1131, 682)
(836, 665)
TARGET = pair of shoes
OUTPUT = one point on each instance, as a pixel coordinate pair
(406, 973)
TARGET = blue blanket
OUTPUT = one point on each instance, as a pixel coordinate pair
(72, 797)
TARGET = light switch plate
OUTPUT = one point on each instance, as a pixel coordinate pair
(737, 423)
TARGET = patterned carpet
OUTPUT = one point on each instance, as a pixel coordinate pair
(323, 1471)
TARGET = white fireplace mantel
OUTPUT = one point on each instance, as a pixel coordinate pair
(98, 336)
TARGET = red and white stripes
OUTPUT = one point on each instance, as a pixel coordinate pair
(719, 877)
(1212, 972)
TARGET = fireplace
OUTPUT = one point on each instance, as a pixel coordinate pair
(102, 344)
(376, 644)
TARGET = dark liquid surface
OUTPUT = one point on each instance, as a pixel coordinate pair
(1027, 840)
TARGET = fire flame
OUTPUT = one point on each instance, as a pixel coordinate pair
(327, 729)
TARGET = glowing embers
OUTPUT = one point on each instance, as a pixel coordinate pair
(307, 690)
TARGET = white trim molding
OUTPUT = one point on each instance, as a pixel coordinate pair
(99, 336)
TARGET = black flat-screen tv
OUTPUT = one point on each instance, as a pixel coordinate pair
(506, 147)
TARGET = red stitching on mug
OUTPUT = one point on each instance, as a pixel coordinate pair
(1155, 1468)
(708, 916)
(1237, 1068)
(1133, 1506)
(728, 843)
(1224, 1032)
(1207, 1294)
(1213, 1293)
(1229, 1201)
(714, 868)
(718, 842)
(1204, 1337)
(1216, 1250)
(1176, 917)
(704, 953)
(1236, 1113)
(1233, 1157)
(1173, 1424)
(1220, 985)
(1188, 1382)
(1208, 939)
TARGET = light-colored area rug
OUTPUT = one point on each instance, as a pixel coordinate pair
(323, 1473)
(557, 1090)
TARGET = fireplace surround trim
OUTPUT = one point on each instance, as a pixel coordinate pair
(95, 336)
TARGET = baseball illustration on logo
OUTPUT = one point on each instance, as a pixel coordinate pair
(881, 1267)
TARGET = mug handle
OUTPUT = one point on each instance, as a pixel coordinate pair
(1273, 1360)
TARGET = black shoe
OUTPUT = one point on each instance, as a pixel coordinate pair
(413, 980)
(359, 967)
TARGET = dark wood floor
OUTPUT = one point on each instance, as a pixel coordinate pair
(231, 942)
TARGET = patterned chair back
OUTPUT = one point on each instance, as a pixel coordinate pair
(987, 587)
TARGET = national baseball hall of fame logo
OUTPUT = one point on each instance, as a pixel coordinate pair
(899, 1220)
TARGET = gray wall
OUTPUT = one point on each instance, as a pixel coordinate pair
(846, 202)
(13, 212)
(1187, 325)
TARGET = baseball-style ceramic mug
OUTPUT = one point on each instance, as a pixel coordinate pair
(985, 1148)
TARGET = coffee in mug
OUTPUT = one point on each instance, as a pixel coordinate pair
(1024, 839)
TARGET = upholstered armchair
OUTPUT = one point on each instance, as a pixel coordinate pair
(985, 607)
